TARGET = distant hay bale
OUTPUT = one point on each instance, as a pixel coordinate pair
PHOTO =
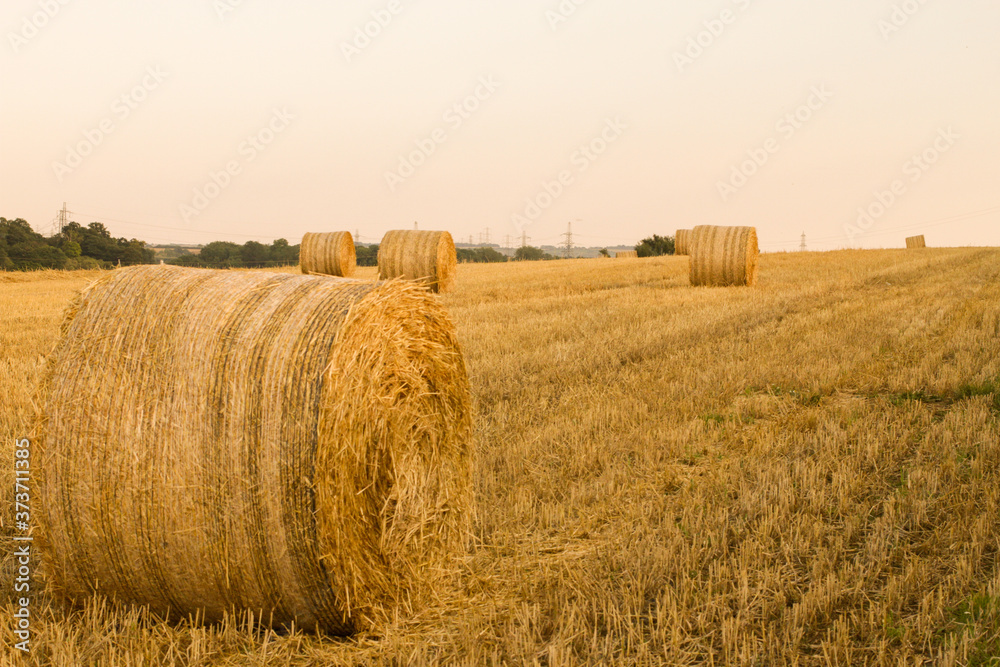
(626, 254)
(330, 254)
(916, 242)
(423, 256)
(682, 242)
(722, 256)
(298, 446)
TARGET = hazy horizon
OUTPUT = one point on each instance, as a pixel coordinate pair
(858, 123)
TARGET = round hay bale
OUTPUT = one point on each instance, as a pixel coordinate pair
(626, 254)
(424, 256)
(722, 256)
(682, 242)
(916, 242)
(294, 445)
(330, 254)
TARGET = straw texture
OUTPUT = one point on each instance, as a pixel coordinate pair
(723, 256)
(916, 242)
(423, 256)
(626, 254)
(682, 242)
(330, 254)
(293, 445)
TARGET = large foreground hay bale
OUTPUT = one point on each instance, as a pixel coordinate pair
(423, 256)
(330, 254)
(722, 256)
(294, 445)
(626, 254)
(682, 242)
(916, 242)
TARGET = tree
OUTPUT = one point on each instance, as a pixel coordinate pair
(604, 252)
(32, 256)
(480, 255)
(655, 246)
(529, 253)
(366, 255)
(24, 249)
(221, 254)
(284, 254)
(96, 241)
(255, 254)
(134, 251)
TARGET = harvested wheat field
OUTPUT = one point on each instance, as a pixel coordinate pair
(806, 472)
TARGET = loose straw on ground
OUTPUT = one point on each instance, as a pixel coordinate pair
(722, 256)
(298, 446)
(330, 254)
(423, 256)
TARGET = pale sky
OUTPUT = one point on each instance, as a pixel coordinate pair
(126, 108)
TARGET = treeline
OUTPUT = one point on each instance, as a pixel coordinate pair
(655, 246)
(93, 247)
(228, 255)
(77, 247)
(480, 255)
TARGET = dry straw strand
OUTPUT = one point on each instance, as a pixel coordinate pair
(723, 256)
(626, 254)
(328, 253)
(916, 242)
(682, 242)
(424, 256)
(294, 445)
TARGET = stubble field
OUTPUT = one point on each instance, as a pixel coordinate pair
(806, 472)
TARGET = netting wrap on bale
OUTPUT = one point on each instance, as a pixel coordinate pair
(916, 242)
(298, 446)
(723, 256)
(626, 254)
(424, 256)
(330, 254)
(682, 242)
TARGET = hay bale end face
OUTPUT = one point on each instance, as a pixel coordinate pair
(424, 256)
(724, 256)
(916, 242)
(682, 242)
(294, 445)
(626, 254)
(330, 254)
